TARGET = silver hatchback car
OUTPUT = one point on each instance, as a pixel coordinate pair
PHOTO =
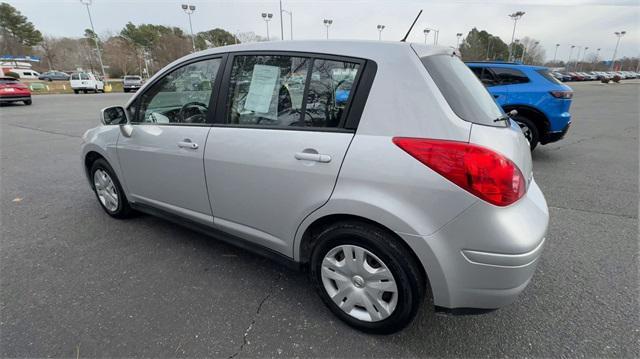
(383, 169)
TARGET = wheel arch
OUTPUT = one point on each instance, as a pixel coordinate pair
(306, 242)
(538, 117)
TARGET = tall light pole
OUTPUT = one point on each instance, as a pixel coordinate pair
(190, 9)
(436, 34)
(570, 53)
(327, 23)
(426, 33)
(515, 43)
(95, 39)
(555, 53)
(489, 41)
(584, 53)
(575, 65)
(281, 26)
(593, 65)
(615, 52)
(290, 22)
(458, 36)
(267, 16)
(515, 17)
(380, 28)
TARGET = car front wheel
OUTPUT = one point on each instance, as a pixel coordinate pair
(366, 277)
(108, 190)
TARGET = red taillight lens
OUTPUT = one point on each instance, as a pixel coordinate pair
(562, 94)
(478, 170)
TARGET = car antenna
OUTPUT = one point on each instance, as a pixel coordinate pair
(404, 39)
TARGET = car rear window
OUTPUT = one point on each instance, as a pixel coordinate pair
(547, 75)
(463, 91)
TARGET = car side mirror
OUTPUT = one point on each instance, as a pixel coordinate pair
(115, 115)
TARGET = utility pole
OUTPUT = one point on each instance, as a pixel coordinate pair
(458, 36)
(426, 33)
(290, 22)
(613, 59)
(569, 60)
(95, 36)
(555, 53)
(190, 9)
(515, 17)
(281, 26)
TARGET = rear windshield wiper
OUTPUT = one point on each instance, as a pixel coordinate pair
(506, 116)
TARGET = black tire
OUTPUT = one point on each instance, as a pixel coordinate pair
(84, 92)
(405, 269)
(529, 130)
(123, 210)
(28, 102)
(76, 92)
(126, 90)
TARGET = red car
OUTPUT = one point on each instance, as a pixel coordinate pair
(12, 90)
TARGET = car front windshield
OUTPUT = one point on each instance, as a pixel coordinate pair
(463, 91)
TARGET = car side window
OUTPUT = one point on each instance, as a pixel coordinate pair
(329, 92)
(182, 96)
(75, 77)
(508, 76)
(84, 76)
(266, 90)
(485, 76)
(279, 91)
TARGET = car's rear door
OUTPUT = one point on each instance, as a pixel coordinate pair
(275, 154)
(161, 151)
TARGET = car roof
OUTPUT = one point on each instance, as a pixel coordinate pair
(504, 64)
(373, 50)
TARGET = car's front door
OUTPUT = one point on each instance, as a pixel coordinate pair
(276, 156)
(161, 150)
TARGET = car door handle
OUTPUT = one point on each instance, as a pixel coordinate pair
(305, 156)
(188, 144)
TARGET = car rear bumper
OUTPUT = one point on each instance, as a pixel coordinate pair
(15, 98)
(556, 135)
(485, 257)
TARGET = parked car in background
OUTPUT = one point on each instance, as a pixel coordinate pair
(54, 76)
(588, 76)
(560, 76)
(86, 82)
(575, 76)
(26, 74)
(442, 196)
(542, 102)
(131, 83)
(12, 90)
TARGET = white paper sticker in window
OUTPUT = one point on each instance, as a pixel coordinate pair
(262, 88)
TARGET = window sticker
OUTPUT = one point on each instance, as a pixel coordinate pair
(262, 88)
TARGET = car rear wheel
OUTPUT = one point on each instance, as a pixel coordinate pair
(27, 102)
(76, 92)
(109, 191)
(365, 277)
(529, 130)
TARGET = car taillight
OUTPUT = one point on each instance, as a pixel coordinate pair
(478, 170)
(562, 94)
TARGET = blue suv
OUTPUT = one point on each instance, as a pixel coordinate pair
(541, 100)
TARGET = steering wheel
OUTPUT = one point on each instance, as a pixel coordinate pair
(196, 111)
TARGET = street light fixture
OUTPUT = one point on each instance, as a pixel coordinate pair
(555, 53)
(436, 34)
(613, 59)
(190, 9)
(87, 3)
(327, 23)
(267, 16)
(426, 33)
(380, 28)
(515, 17)
(458, 35)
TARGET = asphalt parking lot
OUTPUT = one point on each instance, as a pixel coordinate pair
(75, 282)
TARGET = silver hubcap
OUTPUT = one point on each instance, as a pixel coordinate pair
(106, 190)
(359, 283)
(526, 131)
